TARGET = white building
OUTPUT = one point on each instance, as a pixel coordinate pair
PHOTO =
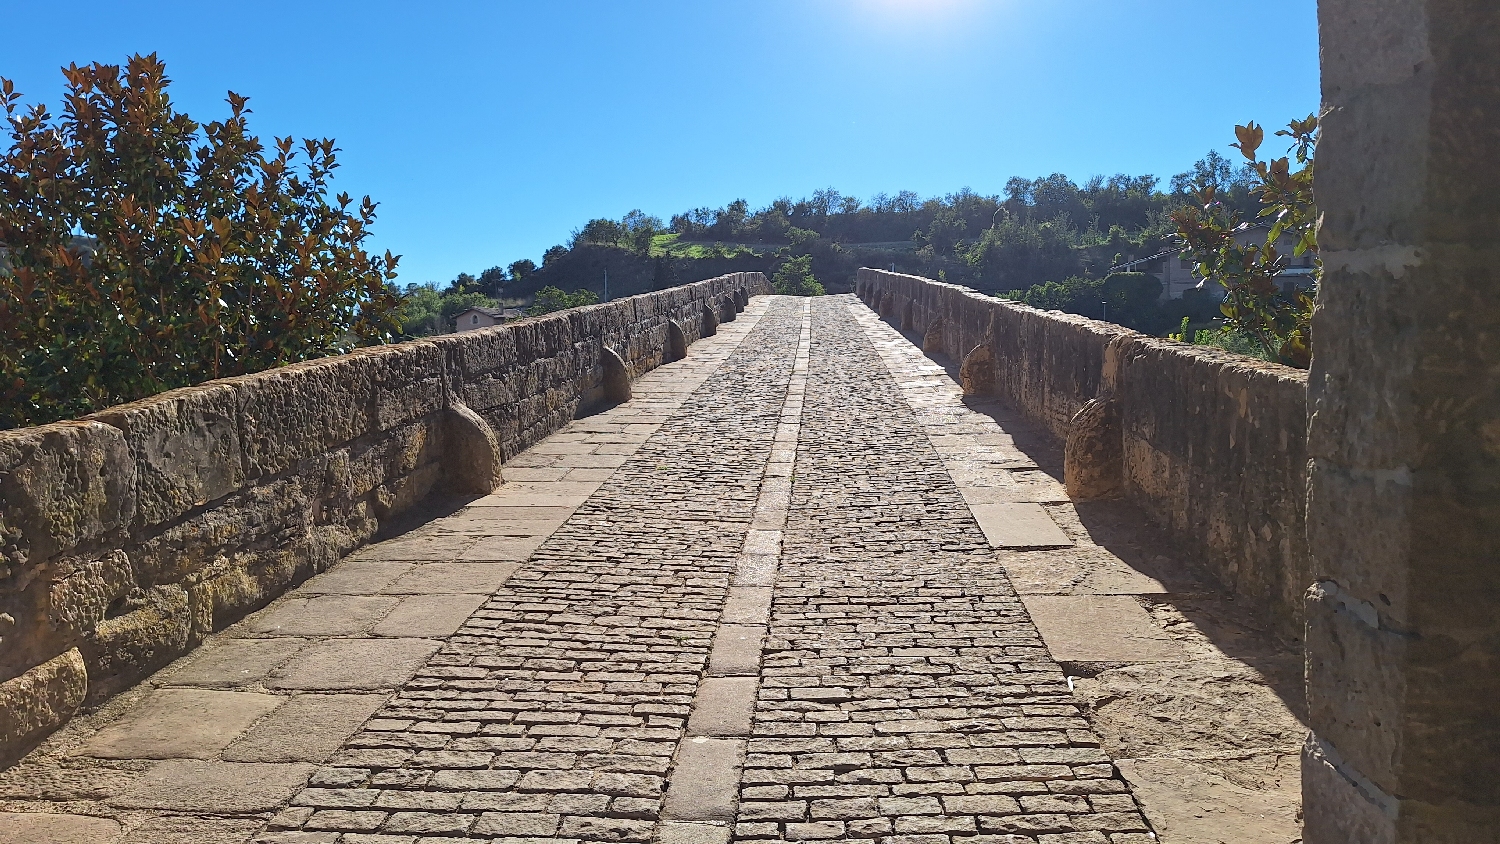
(476, 318)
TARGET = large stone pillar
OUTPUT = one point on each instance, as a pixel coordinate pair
(1403, 623)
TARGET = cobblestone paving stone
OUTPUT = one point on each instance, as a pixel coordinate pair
(905, 696)
(555, 711)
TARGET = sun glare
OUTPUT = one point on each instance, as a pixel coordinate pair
(915, 13)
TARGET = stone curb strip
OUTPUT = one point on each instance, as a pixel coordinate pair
(704, 782)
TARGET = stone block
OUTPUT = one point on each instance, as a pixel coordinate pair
(39, 701)
(1019, 526)
(350, 664)
(1094, 454)
(1185, 800)
(429, 616)
(708, 322)
(748, 605)
(1099, 628)
(418, 548)
(677, 342)
(723, 707)
(1356, 681)
(356, 577)
(932, 338)
(471, 453)
(228, 663)
(1093, 570)
(977, 374)
(1342, 810)
(408, 380)
(736, 651)
(1363, 530)
(503, 549)
(306, 409)
(671, 832)
(82, 591)
(61, 486)
(756, 570)
(616, 376)
(198, 830)
(705, 781)
(765, 542)
(187, 449)
(321, 615)
(191, 785)
(226, 590)
(451, 578)
(126, 649)
(307, 728)
(260, 516)
(401, 493)
(52, 828)
(180, 724)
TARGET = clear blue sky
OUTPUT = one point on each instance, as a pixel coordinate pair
(489, 131)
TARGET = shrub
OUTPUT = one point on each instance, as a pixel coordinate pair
(795, 278)
(550, 299)
(1129, 299)
(145, 251)
(1279, 320)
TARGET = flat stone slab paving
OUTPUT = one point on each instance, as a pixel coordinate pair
(1099, 628)
(1019, 525)
(770, 598)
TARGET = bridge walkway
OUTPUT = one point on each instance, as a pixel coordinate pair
(772, 597)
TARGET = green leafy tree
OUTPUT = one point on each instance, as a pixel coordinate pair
(420, 314)
(145, 251)
(795, 278)
(1132, 298)
(1129, 299)
(492, 281)
(1255, 305)
(550, 299)
(519, 270)
(601, 232)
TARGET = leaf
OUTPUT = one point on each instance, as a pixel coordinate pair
(1250, 137)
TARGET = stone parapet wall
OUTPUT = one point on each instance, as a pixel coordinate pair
(128, 536)
(1212, 445)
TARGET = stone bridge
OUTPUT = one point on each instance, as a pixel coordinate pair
(915, 566)
(798, 586)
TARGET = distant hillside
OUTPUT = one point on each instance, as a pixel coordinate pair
(1049, 229)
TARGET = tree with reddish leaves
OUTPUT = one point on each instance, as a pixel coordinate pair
(1255, 304)
(144, 251)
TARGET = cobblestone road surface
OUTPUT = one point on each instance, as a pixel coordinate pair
(760, 609)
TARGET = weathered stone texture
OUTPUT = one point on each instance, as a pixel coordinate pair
(1215, 450)
(39, 701)
(64, 486)
(1094, 456)
(1404, 428)
(1211, 445)
(131, 534)
(471, 456)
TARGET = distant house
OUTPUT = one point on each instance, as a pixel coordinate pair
(1175, 270)
(476, 318)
